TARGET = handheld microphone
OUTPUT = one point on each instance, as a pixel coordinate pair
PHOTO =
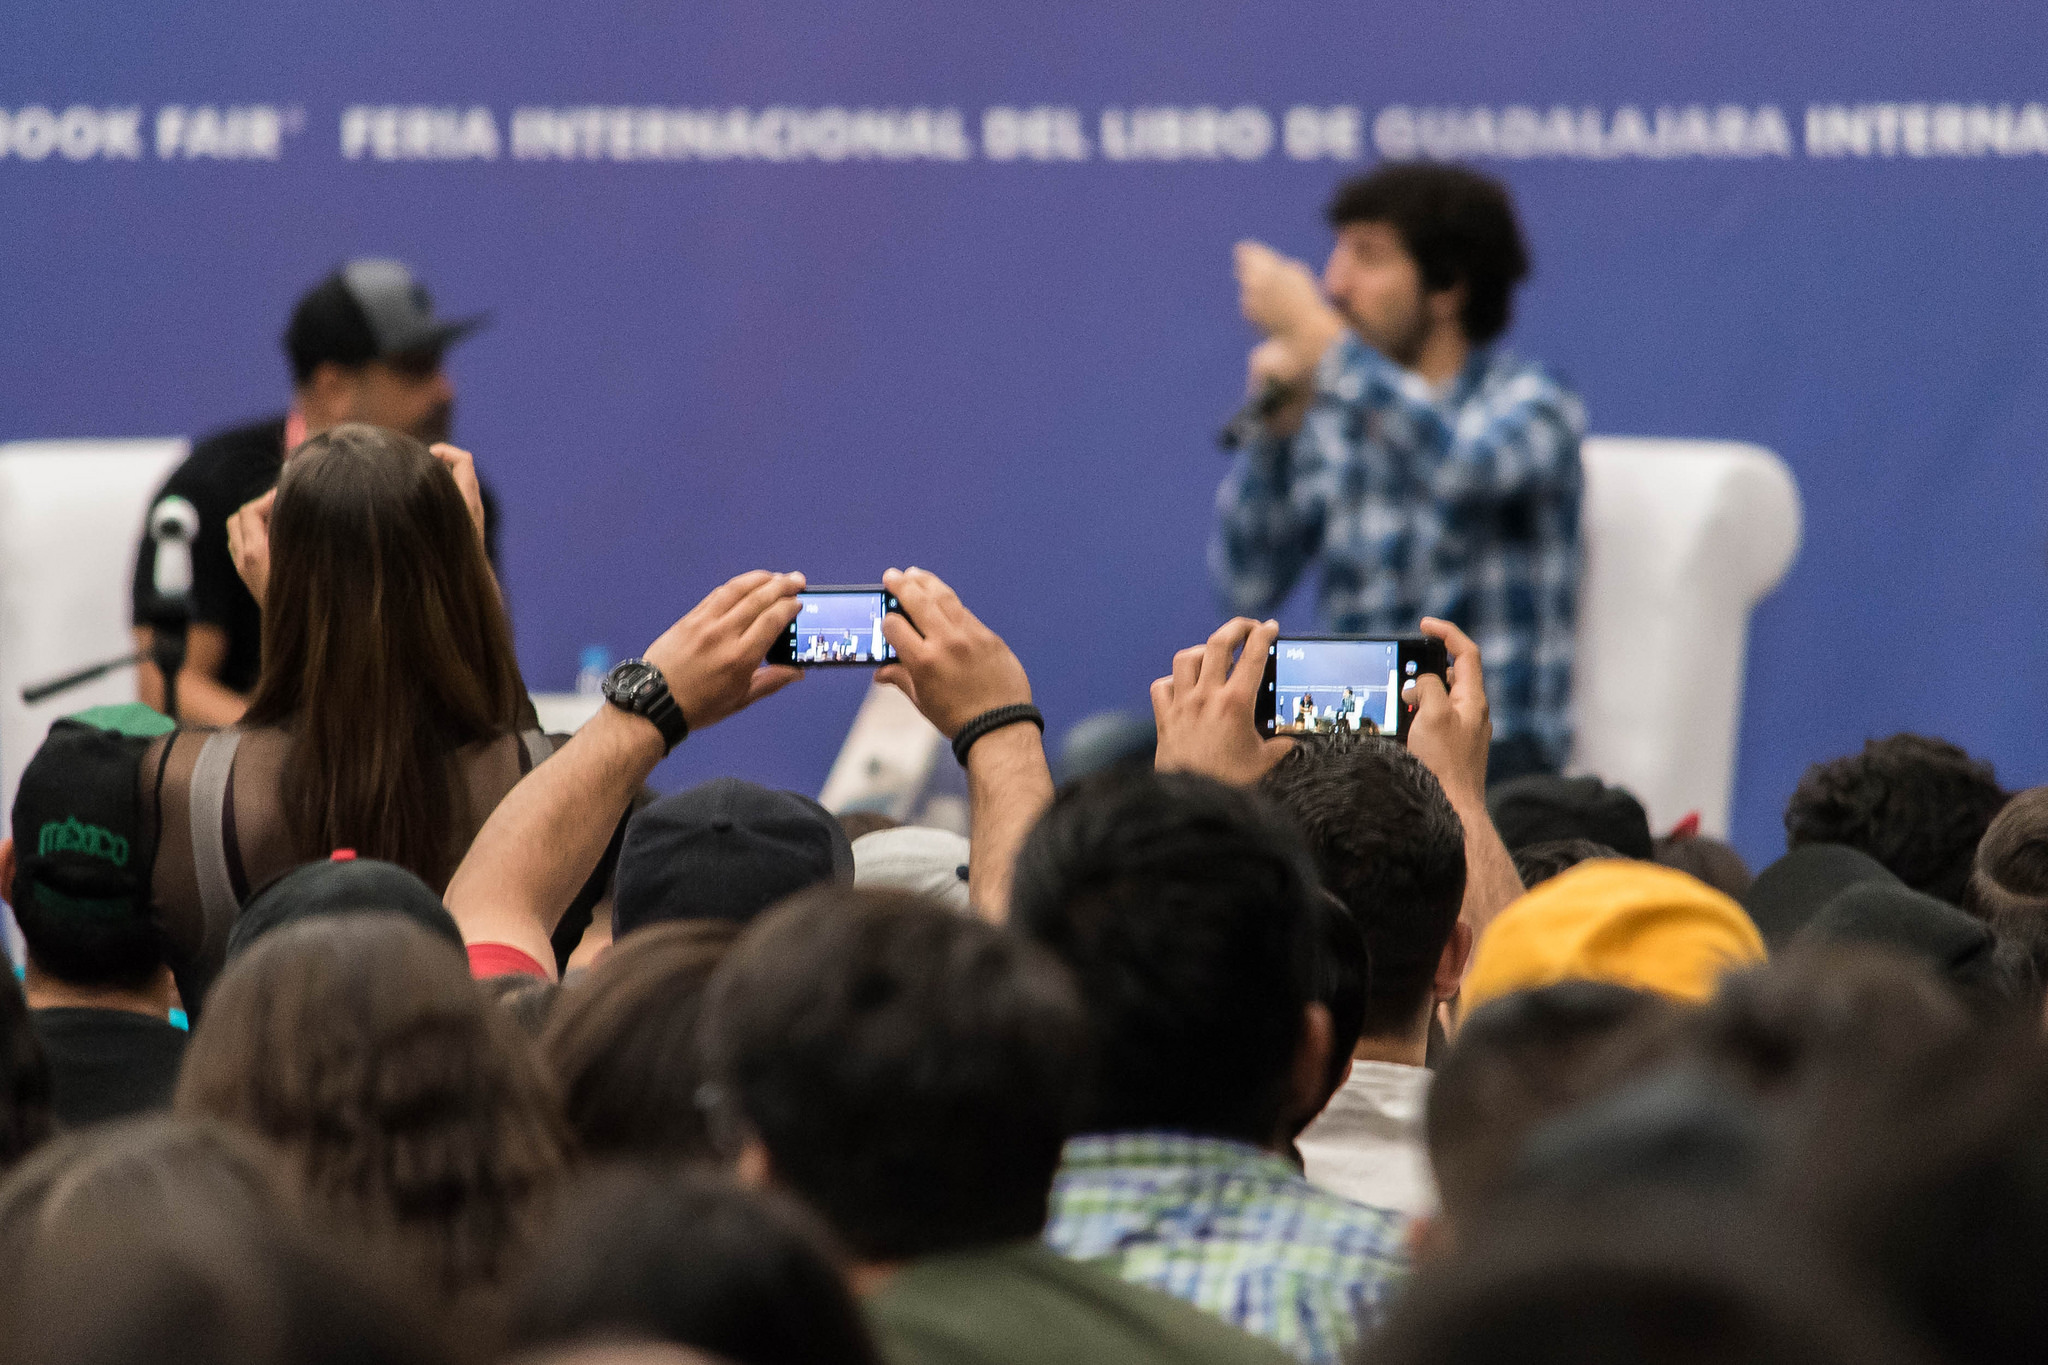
(173, 522)
(1244, 424)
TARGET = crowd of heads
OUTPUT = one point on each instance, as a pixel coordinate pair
(706, 1136)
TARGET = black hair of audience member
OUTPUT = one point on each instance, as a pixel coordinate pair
(1709, 860)
(622, 1043)
(1343, 967)
(27, 1112)
(1458, 225)
(1819, 1013)
(529, 1001)
(1538, 863)
(412, 1113)
(1386, 841)
(910, 1072)
(1677, 1134)
(693, 1259)
(859, 822)
(1559, 1289)
(1516, 1063)
(162, 1241)
(1917, 805)
(1543, 807)
(111, 951)
(1934, 1186)
(1186, 910)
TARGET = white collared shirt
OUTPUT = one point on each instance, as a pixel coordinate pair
(1367, 1144)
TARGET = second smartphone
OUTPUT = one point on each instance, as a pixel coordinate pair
(838, 626)
(1322, 683)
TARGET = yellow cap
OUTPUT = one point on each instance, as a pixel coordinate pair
(1628, 923)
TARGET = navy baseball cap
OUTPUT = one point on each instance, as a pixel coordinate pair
(724, 849)
(342, 885)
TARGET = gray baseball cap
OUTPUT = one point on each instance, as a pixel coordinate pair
(369, 309)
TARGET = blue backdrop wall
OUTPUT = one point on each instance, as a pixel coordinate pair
(836, 287)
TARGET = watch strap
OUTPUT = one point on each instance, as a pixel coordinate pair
(650, 699)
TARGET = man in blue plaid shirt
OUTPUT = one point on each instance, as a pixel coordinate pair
(1187, 911)
(1429, 472)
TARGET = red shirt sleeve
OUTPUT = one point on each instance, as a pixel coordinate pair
(502, 959)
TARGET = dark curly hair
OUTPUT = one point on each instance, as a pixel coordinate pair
(1917, 805)
(1458, 225)
(412, 1111)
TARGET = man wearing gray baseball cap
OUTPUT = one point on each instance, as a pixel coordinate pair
(365, 346)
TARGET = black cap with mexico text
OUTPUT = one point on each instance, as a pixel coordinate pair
(82, 848)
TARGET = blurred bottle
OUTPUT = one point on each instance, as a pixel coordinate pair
(595, 662)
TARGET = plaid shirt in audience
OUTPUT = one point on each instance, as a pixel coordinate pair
(1231, 1229)
(1463, 506)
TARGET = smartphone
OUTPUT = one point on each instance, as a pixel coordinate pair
(838, 627)
(1323, 683)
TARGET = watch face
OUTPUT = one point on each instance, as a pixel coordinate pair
(630, 682)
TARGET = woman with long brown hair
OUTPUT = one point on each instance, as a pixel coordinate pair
(386, 717)
(416, 1122)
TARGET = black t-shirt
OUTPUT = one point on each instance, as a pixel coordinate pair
(223, 472)
(107, 1064)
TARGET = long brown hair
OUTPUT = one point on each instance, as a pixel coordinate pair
(416, 1118)
(385, 649)
(622, 1043)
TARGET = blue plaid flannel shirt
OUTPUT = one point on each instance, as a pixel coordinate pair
(1464, 507)
(1233, 1230)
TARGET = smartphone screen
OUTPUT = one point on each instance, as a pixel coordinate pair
(837, 627)
(1351, 684)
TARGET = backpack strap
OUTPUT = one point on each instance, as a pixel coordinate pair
(533, 748)
(209, 796)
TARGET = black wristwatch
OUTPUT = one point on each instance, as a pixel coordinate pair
(637, 686)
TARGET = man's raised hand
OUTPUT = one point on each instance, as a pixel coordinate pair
(1451, 731)
(462, 466)
(249, 544)
(955, 668)
(712, 658)
(1278, 294)
(948, 662)
(1206, 711)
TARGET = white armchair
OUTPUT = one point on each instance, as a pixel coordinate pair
(70, 520)
(1682, 540)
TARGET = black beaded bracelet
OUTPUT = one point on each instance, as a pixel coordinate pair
(988, 721)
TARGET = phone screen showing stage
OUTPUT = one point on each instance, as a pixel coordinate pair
(837, 627)
(1319, 686)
